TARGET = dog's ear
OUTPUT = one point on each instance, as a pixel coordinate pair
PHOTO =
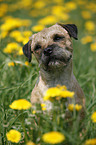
(71, 29)
(27, 50)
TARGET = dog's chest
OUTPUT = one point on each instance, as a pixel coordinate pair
(42, 87)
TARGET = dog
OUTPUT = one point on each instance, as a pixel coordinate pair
(53, 50)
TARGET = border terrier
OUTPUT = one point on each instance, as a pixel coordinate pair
(53, 50)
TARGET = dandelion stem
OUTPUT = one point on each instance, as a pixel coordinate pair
(25, 135)
(22, 123)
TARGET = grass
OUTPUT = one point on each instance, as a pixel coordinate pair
(18, 81)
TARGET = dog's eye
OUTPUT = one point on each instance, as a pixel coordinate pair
(58, 37)
(37, 47)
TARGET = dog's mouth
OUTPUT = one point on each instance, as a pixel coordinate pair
(56, 62)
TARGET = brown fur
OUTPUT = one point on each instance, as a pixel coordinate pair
(56, 68)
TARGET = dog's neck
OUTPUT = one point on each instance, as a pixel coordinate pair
(57, 77)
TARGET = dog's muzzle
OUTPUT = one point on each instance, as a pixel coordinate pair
(49, 50)
(52, 59)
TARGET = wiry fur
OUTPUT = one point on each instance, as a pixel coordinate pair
(56, 68)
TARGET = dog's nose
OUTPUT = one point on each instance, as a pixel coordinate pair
(48, 51)
(70, 57)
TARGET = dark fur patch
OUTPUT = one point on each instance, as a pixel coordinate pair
(27, 50)
(71, 29)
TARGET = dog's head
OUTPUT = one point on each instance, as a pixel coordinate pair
(52, 46)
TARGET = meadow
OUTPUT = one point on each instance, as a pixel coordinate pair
(19, 20)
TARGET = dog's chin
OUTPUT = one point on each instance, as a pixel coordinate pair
(56, 63)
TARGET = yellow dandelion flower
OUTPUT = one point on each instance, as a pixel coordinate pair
(64, 16)
(43, 108)
(91, 6)
(33, 111)
(13, 136)
(30, 143)
(57, 1)
(86, 14)
(48, 20)
(15, 34)
(78, 107)
(59, 91)
(38, 28)
(11, 64)
(21, 36)
(90, 26)
(39, 4)
(93, 117)
(57, 10)
(93, 46)
(82, 2)
(71, 107)
(24, 5)
(27, 33)
(26, 63)
(71, 5)
(11, 47)
(90, 142)
(53, 137)
(15, 23)
(43, 105)
(20, 52)
(3, 34)
(66, 93)
(86, 39)
(3, 9)
(25, 40)
(20, 104)
(52, 92)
